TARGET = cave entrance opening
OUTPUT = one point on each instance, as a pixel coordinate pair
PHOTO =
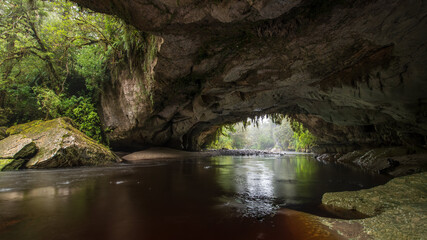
(270, 132)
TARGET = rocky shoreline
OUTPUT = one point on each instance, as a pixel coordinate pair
(393, 161)
(396, 210)
(169, 153)
(249, 152)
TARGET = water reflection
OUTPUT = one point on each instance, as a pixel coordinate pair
(213, 198)
(250, 185)
(257, 187)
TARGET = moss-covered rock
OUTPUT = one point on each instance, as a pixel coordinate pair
(62, 145)
(3, 133)
(398, 209)
(16, 147)
(14, 164)
(4, 163)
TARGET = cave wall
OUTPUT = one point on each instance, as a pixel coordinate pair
(353, 72)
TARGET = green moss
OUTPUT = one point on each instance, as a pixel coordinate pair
(22, 128)
(61, 145)
(150, 56)
(15, 165)
(38, 126)
(397, 209)
(4, 163)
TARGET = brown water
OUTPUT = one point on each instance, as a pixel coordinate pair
(211, 198)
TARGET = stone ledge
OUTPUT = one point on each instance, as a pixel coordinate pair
(398, 209)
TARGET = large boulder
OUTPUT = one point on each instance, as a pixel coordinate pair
(62, 145)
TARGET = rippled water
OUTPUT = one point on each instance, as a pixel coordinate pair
(210, 198)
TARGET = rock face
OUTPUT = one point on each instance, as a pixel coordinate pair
(351, 71)
(394, 161)
(59, 144)
(397, 209)
(15, 151)
(16, 147)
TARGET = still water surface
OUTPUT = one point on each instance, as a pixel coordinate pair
(209, 198)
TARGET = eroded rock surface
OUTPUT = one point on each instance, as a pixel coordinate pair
(352, 71)
(398, 209)
(394, 161)
(59, 144)
(16, 147)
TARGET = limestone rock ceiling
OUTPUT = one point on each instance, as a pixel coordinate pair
(354, 72)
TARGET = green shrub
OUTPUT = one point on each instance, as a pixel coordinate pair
(48, 101)
(84, 114)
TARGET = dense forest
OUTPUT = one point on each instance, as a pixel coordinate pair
(270, 132)
(55, 57)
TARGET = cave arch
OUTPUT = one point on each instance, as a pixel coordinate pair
(352, 72)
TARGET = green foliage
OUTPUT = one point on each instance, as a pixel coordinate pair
(80, 109)
(55, 56)
(284, 136)
(3, 116)
(48, 101)
(84, 114)
(264, 132)
(222, 138)
(304, 139)
(91, 65)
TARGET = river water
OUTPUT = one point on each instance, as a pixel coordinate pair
(208, 198)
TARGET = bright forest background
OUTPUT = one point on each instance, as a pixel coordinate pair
(271, 132)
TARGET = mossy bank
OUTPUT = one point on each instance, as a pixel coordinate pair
(396, 210)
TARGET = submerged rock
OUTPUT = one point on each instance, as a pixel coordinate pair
(398, 209)
(16, 147)
(60, 145)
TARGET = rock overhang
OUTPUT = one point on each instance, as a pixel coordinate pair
(351, 71)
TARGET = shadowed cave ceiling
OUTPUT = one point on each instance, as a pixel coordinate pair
(353, 72)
